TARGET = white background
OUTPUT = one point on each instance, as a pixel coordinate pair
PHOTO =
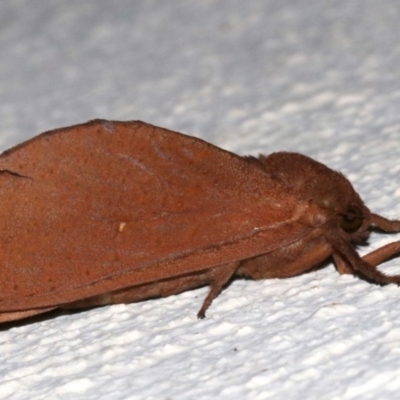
(317, 77)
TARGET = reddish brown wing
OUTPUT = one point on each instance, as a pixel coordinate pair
(105, 205)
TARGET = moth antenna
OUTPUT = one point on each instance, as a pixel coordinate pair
(387, 225)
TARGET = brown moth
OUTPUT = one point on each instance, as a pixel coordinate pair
(115, 212)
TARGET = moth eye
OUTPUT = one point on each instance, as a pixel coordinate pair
(352, 219)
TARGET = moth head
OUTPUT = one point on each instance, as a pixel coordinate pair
(309, 180)
(355, 221)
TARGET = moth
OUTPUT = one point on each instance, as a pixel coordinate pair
(116, 212)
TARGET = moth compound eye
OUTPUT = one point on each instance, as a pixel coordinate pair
(352, 219)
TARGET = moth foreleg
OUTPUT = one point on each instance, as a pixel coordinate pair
(382, 254)
(348, 261)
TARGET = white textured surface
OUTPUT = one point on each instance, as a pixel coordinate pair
(317, 77)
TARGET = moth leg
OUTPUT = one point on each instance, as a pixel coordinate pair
(219, 277)
(382, 254)
(349, 257)
(376, 257)
(342, 266)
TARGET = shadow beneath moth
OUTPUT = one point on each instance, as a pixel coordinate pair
(116, 212)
